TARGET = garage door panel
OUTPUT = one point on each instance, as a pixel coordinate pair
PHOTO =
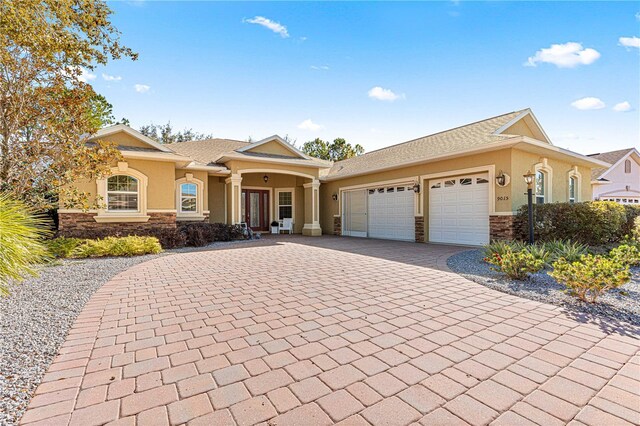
(391, 214)
(459, 213)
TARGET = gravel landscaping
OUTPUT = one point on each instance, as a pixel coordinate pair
(36, 317)
(622, 303)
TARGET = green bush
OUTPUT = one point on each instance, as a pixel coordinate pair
(22, 247)
(626, 254)
(500, 247)
(592, 276)
(515, 264)
(592, 222)
(201, 234)
(569, 250)
(538, 251)
(109, 246)
(632, 224)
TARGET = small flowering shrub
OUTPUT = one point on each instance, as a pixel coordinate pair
(500, 247)
(516, 265)
(592, 276)
(626, 254)
(109, 246)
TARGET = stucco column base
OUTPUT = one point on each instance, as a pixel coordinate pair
(311, 230)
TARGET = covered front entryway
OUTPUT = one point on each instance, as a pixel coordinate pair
(459, 209)
(385, 212)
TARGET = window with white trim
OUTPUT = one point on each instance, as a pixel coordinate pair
(540, 186)
(188, 198)
(572, 189)
(285, 205)
(123, 194)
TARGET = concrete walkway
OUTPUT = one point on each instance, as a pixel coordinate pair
(304, 331)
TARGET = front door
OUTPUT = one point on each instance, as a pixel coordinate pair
(255, 209)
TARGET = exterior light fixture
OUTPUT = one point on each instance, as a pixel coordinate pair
(529, 178)
(502, 179)
(265, 178)
(416, 188)
(334, 197)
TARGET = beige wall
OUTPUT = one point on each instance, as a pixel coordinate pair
(216, 197)
(125, 139)
(525, 161)
(274, 148)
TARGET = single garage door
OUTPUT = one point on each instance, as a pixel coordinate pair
(382, 212)
(459, 210)
(391, 213)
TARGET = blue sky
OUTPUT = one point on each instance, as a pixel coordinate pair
(379, 73)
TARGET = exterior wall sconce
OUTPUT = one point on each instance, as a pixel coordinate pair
(265, 178)
(503, 179)
(416, 188)
(334, 197)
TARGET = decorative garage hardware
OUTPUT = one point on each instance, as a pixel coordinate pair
(334, 196)
(503, 179)
(529, 178)
(416, 188)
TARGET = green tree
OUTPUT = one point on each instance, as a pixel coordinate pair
(337, 150)
(163, 133)
(101, 111)
(47, 110)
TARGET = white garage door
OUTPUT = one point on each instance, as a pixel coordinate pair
(459, 210)
(391, 213)
(382, 212)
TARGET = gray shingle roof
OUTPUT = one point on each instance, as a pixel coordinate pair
(208, 150)
(469, 136)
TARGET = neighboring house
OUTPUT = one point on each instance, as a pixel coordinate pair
(459, 186)
(621, 181)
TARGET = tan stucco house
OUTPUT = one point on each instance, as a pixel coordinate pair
(459, 186)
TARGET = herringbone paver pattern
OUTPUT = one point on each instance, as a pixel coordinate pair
(304, 331)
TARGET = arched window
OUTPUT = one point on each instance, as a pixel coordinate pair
(572, 189)
(123, 194)
(541, 184)
(627, 166)
(188, 198)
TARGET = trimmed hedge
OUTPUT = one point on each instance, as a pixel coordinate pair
(196, 234)
(593, 222)
(77, 248)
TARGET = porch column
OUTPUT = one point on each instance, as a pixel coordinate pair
(234, 191)
(312, 209)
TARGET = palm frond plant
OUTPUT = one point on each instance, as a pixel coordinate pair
(22, 247)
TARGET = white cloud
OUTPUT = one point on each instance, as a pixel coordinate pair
(276, 27)
(566, 55)
(638, 16)
(141, 88)
(629, 41)
(309, 125)
(320, 67)
(622, 107)
(108, 77)
(384, 94)
(86, 76)
(588, 103)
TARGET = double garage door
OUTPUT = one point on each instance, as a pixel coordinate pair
(458, 211)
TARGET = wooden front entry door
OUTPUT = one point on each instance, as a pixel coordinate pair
(255, 209)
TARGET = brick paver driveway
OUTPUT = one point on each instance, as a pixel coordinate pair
(301, 331)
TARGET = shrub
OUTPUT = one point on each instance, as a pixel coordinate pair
(538, 251)
(592, 222)
(500, 247)
(22, 234)
(515, 264)
(632, 224)
(592, 276)
(108, 246)
(62, 247)
(569, 250)
(170, 238)
(626, 254)
(201, 234)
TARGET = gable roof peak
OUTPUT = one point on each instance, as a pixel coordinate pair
(115, 128)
